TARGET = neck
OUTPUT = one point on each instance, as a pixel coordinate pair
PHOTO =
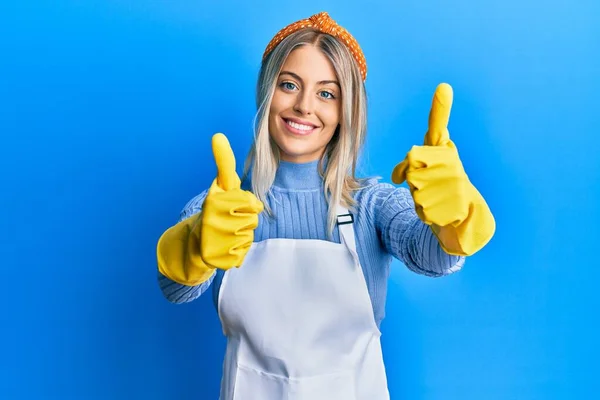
(304, 175)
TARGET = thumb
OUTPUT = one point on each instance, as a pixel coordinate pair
(399, 172)
(437, 132)
(227, 178)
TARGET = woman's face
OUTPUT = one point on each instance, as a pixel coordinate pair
(306, 106)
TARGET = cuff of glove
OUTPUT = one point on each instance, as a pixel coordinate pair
(472, 234)
(178, 255)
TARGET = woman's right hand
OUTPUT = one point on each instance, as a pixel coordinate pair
(229, 214)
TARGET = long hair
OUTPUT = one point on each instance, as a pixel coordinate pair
(337, 166)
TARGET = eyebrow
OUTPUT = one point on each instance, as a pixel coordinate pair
(296, 76)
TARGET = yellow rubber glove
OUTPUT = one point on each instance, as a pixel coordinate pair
(229, 214)
(444, 197)
(218, 237)
(178, 253)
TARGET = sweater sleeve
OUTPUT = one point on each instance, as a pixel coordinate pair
(176, 292)
(406, 237)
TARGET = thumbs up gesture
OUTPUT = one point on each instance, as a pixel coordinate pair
(229, 214)
(444, 197)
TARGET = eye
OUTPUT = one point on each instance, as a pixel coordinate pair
(287, 85)
(327, 95)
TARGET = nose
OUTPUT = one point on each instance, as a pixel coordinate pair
(304, 103)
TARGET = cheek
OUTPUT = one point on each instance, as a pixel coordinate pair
(332, 118)
(281, 102)
(274, 111)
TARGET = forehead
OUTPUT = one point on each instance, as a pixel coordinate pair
(310, 63)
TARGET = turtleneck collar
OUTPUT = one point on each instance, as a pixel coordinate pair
(298, 175)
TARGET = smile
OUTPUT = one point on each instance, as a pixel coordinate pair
(298, 129)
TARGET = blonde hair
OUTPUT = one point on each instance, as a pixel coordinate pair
(342, 152)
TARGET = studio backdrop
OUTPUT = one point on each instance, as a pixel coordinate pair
(107, 109)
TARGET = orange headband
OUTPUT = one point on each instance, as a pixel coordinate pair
(323, 23)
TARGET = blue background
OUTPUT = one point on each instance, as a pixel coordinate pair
(106, 113)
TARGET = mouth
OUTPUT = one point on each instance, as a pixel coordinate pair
(298, 128)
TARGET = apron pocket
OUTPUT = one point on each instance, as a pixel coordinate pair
(251, 384)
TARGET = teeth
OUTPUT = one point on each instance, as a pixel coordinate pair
(299, 126)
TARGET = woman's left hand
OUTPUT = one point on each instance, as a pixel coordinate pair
(444, 197)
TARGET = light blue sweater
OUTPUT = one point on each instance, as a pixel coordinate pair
(385, 223)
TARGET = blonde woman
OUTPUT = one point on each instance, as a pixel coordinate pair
(298, 251)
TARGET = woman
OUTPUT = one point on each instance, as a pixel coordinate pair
(312, 243)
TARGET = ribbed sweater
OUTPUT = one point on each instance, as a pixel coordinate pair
(385, 223)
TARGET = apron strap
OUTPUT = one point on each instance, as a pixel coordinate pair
(345, 222)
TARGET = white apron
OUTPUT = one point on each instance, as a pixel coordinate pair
(299, 323)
